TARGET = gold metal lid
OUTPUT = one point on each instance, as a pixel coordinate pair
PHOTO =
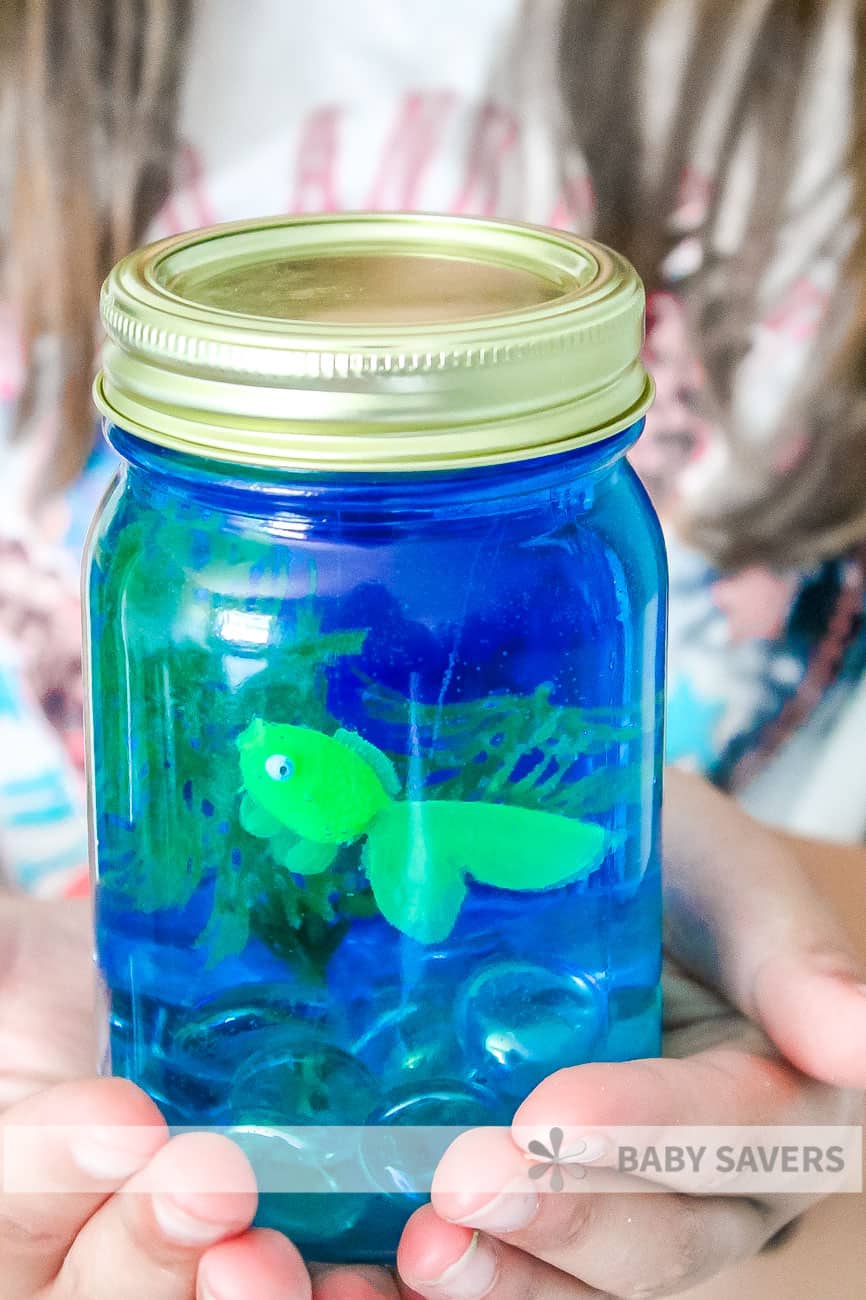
(373, 342)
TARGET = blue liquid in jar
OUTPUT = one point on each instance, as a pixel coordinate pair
(496, 635)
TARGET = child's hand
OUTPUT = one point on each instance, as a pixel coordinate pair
(81, 1242)
(47, 995)
(756, 964)
(161, 1238)
(763, 1001)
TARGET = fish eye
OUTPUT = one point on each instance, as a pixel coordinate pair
(280, 768)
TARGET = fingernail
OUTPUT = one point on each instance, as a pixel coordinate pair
(113, 1155)
(507, 1212)
(185, 1228)
(586, 1150)
(838, 966)
(561, 1146)
(472, 1276)
(203, 1291)
(852, 979)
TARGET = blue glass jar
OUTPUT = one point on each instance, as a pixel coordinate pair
(375, 747)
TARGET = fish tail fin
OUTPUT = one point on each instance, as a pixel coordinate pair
(516, 848)
(418, 855)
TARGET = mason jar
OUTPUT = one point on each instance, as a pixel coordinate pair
(376, 615)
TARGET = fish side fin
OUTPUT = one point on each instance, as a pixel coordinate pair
(380, 763)
(302, 857)
(256, 821)
(417, 889)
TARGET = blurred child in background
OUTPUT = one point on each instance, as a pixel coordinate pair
(720, 147)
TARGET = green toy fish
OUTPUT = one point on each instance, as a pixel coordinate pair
(309, 794)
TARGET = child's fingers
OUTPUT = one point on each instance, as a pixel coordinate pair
(722, 1085)
(62, 1153)
(741, 913)
(360, 1282)
(260, 1265)
(580, 1246)
(620, 1244)
(441, 1261)
(198, 1191)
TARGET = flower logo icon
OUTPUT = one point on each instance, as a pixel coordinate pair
(552, 1162)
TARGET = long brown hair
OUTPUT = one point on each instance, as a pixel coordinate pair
(818, 507)
(91, 91)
